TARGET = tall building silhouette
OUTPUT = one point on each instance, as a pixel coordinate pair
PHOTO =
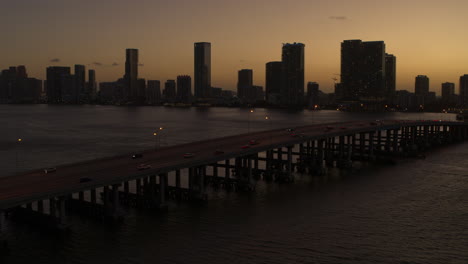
(448, 93)
(80, 83)
(273, 82)
(292, 90)
(131, 74)
(58, 79)
(169, 92)
(202, 69)
(421, 89)
(390, 75)
(312, 94)
(184, 88)
(464, 90)
(92, 85)
(363, 70)
(153, 92)
(244, 83)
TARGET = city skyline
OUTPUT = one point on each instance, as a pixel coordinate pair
(424, 38)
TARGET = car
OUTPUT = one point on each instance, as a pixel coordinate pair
(253, 142)
(188, 155)
(329, 127)
(245, 147)
(218, 152)
(374, 123)
(143, 166)
(294, 135)
(50, 170)
(85, 179)
(137, 156)
(342, 127)
(290, 129)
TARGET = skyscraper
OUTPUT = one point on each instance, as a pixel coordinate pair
(363, 70)
(244, 83)
(80, 83)
(312, 94)
(292, 90)
(153, 92)
(131, 74)
(464, 90)
(202, 69)
(273, 82)
(421, 86)
(421, 89)
(91, 89)
(169, 92)
(184, 88)
(447, 91)
(58, 79)
(390, 75)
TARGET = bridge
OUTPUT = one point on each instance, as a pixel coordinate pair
(102, 187)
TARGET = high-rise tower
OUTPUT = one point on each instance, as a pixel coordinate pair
(202, 69)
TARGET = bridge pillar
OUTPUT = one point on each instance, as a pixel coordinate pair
(191, 179)
(162, 190)
(40, 206)
(362, 145)
(2, 221)
(320, 156)
(116, 210)
(289, 165)
(126, 187)
(81, 196)
(379, 140)
(138, 187)
(52, 208)
(395, 140)
(387, 140)
(227, 172)
(371, 146)
(426, 136)
(62, 217)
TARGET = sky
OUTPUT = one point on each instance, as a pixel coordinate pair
(428, 37)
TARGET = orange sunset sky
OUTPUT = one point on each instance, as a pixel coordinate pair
(428, 37)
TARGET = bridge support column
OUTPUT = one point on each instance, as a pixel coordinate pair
(81, 196)
(388, 133)
(227, 172)
(116, 210)
(162, 190)
(320, 157)
(362, 146)
(52, 208)
(138, 187)
(62, 217)
(40, 206)
(395, 141)
(2, 221)
(426, 136)
(289, 165)
(371, 146)
(126, 187)
(93, 196)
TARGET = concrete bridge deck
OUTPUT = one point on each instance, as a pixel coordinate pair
(36, 185)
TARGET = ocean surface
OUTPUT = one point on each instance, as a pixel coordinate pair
(415, 211)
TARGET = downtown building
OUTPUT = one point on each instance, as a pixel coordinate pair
(421, 90)
(131, 75)
(153, 92)
(464, 91)
(368, 74)
(17, 87)
(184, 89)
(244, 85)
(202, 70)
(449, 97)
(59, 83)
(292, 67)
(273, 82)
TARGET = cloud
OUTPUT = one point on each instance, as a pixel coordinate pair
(337, 17)
(141, 65)
(55, 60)
(115, 64)
(97, 63)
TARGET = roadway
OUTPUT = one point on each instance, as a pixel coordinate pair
(35, 185)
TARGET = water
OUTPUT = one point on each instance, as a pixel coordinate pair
(413, 212)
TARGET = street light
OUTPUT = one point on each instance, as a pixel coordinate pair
(19, 140)
(271, 132)
(156, 142)
(248, 125)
